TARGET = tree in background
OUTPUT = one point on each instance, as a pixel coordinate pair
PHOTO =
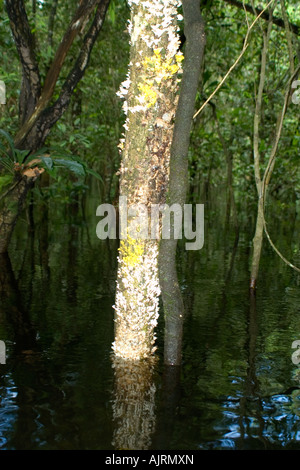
(43, 101)
(262, 183)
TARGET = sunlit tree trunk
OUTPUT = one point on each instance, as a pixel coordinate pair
(150, 91)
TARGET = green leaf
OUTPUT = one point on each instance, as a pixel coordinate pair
(94, 173)
(112, 12)
(71, 165)
(10, 142)
(48, 163)
(5, 180)
(20, 155)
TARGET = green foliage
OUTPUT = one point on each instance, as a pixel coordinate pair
(226, 28)
(53, 161)
(92, 126)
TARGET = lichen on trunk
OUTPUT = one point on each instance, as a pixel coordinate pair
(151, 99)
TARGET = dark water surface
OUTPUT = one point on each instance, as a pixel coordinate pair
(237, 389)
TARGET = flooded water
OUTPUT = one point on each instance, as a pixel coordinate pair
(238, 387)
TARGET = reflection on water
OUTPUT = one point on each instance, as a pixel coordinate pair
(59, 389)
(133, 404)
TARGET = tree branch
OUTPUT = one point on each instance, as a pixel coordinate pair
(270, 166)
(264, 14)
(50, 116)
(25, 44)
(78, 22)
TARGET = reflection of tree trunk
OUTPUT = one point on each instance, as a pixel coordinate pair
(169, 399)
(257, 244)
(11, 206)
(72, 281)
(43, 232)
(178, 185)
(11, 306)
(252, 384)
(134, 404)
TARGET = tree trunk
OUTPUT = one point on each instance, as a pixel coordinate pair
(151, 103)
(258, 238)
(171, 294)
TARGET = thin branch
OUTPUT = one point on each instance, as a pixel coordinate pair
(264, 15)
(245, 46)
(78, 22)
(288, 36)
(51, 22)
(258, 104)
(279, 129)
(271, 163)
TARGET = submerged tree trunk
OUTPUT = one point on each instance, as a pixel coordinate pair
(12, 205)
(150, 91)
(171, 294)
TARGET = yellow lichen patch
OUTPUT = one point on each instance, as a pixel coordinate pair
(131, 250)
(157, 70)
(161, 68)
(149, 94)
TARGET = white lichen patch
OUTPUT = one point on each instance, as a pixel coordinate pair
(136, 303)
(155, 19)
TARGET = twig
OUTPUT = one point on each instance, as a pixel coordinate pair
(271, 164)
(245, 45)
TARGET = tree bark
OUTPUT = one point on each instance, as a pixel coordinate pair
(151, 104)
(178, 185)
(25, 44)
